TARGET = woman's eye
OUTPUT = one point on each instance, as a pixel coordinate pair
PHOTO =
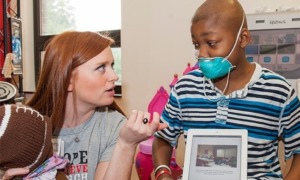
(101, 68)
(113, 65)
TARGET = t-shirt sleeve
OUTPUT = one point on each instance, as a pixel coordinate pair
(111, 130)
(290, 125)
(171, 115)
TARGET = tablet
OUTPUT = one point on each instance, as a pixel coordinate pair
(216, 154)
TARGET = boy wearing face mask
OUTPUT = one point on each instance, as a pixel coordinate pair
(228, 92)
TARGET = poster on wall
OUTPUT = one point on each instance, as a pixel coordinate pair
(16, 44)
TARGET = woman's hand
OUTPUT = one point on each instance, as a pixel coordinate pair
(10, 173)
(136, 129)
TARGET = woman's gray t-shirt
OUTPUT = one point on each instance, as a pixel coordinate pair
(97, 138)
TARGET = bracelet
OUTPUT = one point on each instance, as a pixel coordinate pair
(162, 166)
(161, 173)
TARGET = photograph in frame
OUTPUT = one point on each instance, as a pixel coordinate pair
(216, 154)
(16, 44)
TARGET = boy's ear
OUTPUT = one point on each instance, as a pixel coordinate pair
(245, 37)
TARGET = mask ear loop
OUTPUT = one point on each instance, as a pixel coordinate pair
(236, 39)
(227, 81)
(196, 53)
(226, 58)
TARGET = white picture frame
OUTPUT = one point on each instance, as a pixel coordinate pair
(216, 154)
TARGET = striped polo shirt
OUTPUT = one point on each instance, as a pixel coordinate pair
(268, 107)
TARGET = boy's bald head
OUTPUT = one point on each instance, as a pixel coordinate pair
(228, 13)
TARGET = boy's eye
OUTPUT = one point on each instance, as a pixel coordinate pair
(212, 43)
(196, 45)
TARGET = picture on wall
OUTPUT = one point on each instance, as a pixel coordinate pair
(16, 44)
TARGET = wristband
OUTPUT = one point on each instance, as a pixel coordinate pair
(162, 172)
(162, 166)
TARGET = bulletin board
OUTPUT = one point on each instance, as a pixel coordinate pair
(275, 42)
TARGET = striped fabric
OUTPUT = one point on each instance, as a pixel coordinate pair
(267, 107)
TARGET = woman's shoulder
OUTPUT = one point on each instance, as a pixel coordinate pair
(109, 120)
(110, 114)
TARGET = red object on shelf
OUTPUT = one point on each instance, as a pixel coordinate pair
(159, 101)
(175, 79)
(196, 66)
(2, 35)
(187, 69)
